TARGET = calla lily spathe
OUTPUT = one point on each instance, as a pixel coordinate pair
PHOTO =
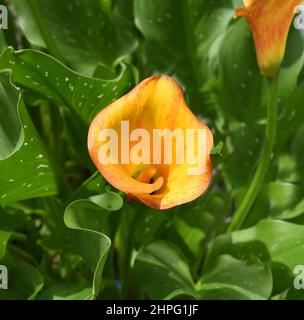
(157, 102)
(269, 21)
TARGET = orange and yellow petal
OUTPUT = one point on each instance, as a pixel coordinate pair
(156, 103)
(269, 21)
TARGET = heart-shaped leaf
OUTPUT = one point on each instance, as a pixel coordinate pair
(50, 79)
(270, 240)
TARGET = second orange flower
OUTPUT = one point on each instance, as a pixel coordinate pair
(269, 21)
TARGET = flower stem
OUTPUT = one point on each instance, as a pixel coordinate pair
(257, 181)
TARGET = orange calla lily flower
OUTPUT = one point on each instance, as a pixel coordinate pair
(269, 21)
(157, 103)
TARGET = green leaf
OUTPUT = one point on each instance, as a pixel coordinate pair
(287, 168)
(230, 278)
(2, 41)
(124, 240)
(190, 56)
(24, 283)
(244, 144)
(169, 274)
(273, 241)
(9, 221)
(295, 294)
(89, 221)
(290, 120)
(50, 79)
(4, 238)
(92, 186)
(188, 229)
(290, 95)
(11, 131)
(284, 241)
(67, 291)
(84, 33)
(147, 225)
(286, 200)
(62, 238)
(191, 235)
(241, 103)
(111, 201)
(217, 150)
(239, 72)
(25, 167)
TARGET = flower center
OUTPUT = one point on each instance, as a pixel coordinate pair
(148, 176)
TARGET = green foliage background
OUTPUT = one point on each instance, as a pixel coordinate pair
(65, 233)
